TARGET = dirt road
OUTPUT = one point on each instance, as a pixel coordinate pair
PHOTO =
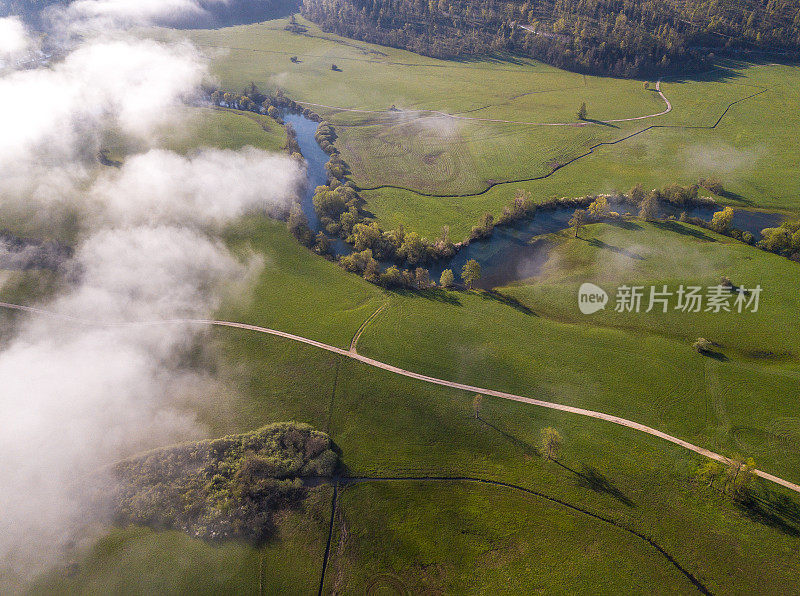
(406, 113)
(425, 378)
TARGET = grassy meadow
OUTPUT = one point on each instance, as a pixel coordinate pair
(205, 127)
(387, 425)
(589, 520)
(141, 561)
(671, 253)
(751, 149)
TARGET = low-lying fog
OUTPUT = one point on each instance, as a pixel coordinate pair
(80, 391)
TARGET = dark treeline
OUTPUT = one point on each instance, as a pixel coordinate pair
(620, 37)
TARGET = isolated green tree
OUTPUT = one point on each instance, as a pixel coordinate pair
(582, 112)
(447, 278)
(703, 346)
(471, 272)
(551, 443)
(578, 221)
(740, 476)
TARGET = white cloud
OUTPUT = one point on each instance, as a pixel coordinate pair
(76, 397)
(104, 14)
(212, 186)
(14, 39)
(58, 113)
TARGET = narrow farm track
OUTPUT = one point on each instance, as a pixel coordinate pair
(419, 377)
(496, 120)
(367, 321)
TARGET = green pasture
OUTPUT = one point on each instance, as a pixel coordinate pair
(196, 128)
(751, 150)
(411, 536)
(671, 253)
(142, 561)
(386, 425)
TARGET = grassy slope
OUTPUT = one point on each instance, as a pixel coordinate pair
(671, 253)
(514, 549)
(751, 151)
(388, 425)
(200, 127)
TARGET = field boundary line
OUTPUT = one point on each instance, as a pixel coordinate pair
(330, 536)
(561, 166)
(421, 377)
(347, 481)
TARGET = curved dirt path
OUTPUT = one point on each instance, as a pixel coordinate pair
(497, 120)
(420, 377)
(367, 321)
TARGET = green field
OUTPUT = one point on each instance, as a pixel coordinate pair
(392, 426)
(620, 511)
(141, 561)
(672, 253)
(751, 150)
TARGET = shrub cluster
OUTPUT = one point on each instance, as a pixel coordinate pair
(223, 488)
(783, 240)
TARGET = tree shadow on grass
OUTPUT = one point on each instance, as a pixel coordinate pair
(600, 122)
(595, 480)
(713, 354)
(771, 509)
(588, 477)
(526, 447)
(605, 246)
(433, 294)
(508, 301)
(673, 226)
(625, 224)
(735, 196)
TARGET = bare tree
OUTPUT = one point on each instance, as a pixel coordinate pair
(476, 405)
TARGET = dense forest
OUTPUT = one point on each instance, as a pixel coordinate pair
(619, 37)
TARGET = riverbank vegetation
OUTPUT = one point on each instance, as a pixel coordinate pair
(412, 148)
(612, 494)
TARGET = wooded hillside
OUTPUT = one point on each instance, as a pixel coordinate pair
(620, 37)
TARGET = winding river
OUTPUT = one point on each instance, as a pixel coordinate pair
(512, 252)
